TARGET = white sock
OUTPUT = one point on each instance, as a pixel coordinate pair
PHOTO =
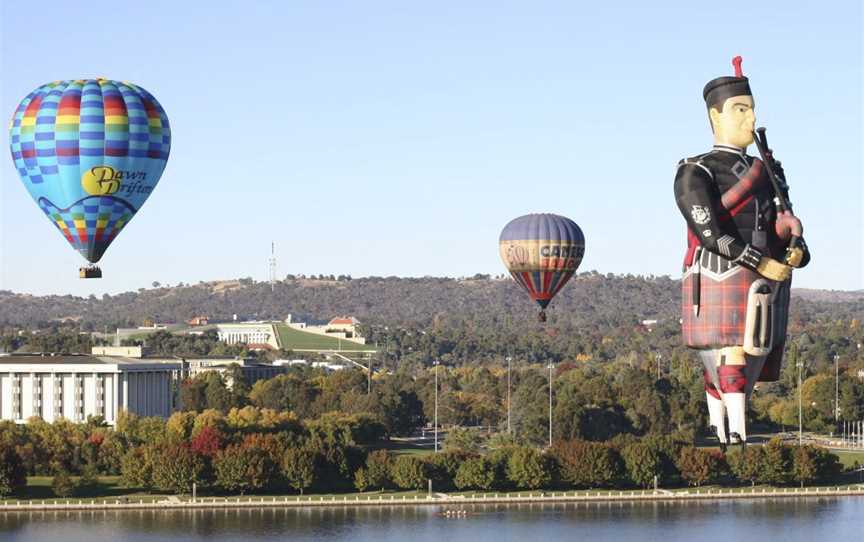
(736, 410)
(716, 414)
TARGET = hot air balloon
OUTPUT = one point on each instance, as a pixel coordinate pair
(90, 152)
(542, 252)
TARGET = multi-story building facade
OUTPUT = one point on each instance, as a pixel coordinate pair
(74, 387)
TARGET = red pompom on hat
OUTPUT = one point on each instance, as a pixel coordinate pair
(719, 90)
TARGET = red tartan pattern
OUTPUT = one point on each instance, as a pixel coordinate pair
(732, 378)
(740, 193)
(722, 309)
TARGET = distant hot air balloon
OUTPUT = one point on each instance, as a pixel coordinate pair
(90, 152)
(542, 252)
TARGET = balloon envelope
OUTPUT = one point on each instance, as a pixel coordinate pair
(542, 252)
(90, 152)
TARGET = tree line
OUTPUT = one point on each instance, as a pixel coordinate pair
(261, 450)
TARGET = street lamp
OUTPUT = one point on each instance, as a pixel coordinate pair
(509, 359)
(435, 422)
(550, 404)
(836, 388)
(369, 381)
(800, 365)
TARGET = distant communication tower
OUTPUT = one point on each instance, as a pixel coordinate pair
(272, 266)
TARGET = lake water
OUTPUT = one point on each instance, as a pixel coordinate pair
(769, 520)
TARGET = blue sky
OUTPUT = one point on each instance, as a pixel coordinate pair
(397, 138)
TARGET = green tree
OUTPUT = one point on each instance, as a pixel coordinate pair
(775, 463)
(527, 468)
(746, 463)
(11, 470)
(827, 464)
(361, 479)
(643, 463)
(298, 468)
(378, 466)
(443, 468)
(408, 472)
(216, 392)
(88, 482)
(63, 485)
(475, 473)
(137, 468)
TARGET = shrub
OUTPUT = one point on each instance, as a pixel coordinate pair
(63, 485)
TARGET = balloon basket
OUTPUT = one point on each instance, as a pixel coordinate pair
(542, 317)
(90, 272)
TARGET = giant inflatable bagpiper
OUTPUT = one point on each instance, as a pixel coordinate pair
(541, 252)
(90, 152)
(743, 242)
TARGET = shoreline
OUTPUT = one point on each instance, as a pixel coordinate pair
(175, 503)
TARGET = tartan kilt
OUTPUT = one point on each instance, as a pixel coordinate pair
(723, 312)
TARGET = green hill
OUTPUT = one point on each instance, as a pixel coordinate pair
(295, 339)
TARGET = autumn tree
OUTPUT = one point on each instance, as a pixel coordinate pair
(588, 464)
(804, 467)
(698, 466)
(240, 468)
(299, 468)
(175, 468)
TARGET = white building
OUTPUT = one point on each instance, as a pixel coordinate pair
(77, 386)
(253, 371)
(341, 327)
(254, 334)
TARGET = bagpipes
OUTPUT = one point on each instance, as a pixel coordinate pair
(781, 188)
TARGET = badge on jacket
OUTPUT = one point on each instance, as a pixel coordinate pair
(700, 214)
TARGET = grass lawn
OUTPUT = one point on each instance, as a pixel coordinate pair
(849, 458)
(109, 487)
(295, 339)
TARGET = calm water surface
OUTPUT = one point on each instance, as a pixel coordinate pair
(774, 521)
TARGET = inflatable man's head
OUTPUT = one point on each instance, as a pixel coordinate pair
(730, 108)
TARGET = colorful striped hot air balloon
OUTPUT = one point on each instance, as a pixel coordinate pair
(542, 252)
(90, 152)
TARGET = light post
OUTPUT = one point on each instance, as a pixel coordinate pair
(800, 365)
(550, 404)
(435, 422)
(836, 388)
(369, 381)
(509, 359)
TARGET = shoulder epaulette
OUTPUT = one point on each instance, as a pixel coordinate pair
(697, 161)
